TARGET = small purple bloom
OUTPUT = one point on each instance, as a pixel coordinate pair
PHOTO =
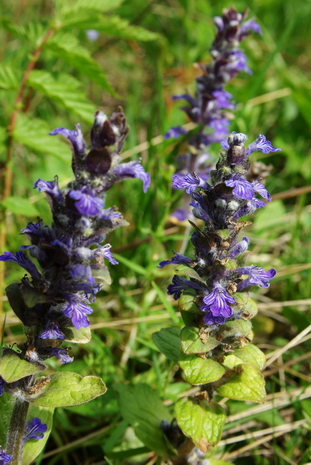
(249, 25)
(52, 331)
(77, 311)
(22, 260)
(179, 285)
(180, 214)
(260, 189)
(132, 169)
(81, 272)
(92, 34)
(261, 143)
(189, 182)
(239, 248)
(242, 188)
(50, 187)
(4, 458)
(257, 276)
(86, 201)
(223, 99)
(210, 319)
(105, 252)
(179, 259)
(62, 354)
(75, 137)
(217, 302)
(34, 429)
(175, 132)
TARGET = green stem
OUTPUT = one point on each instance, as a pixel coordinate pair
(15, 436)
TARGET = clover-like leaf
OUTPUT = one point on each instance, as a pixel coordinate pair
(236, 328)
(186, 303)
(251, 355)
(245, 383)
(200, 420)
(66, 389)
(13, 367)
(192, 343)
(199, 370)
(168, 342)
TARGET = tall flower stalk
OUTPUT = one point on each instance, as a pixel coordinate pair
(53, 299)
(211, 286)
(210, 109)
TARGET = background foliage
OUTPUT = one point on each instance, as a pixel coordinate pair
(144, 54)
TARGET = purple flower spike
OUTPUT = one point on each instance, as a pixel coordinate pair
(22, 260)
(210, 319)
(75, 137)
(179, 285)
(132, 169)
(249, 25)
(4, 458)
(257, 276)
(260, 189)
(52, 331)
(80, 272)
(261, 143)
(34, 429)
(179, 259)
(242, 188)
(77, 311)
(105, 252)
(189, 182)
(223, 99)
(61, 354)
(217, 302)
(86, 201)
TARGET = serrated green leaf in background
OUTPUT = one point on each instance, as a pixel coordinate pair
(67, 47)
(72, 7)
(20, 206)
(191, 343)
(8, 78)
(65, 90)
(34, 133)
(246, 384)
(33, 447)
(13, 368)
(168, 342)
(200, 420)
(66, 389)
(199, 371)
(119, 27)
(251, 355)
(142, 407)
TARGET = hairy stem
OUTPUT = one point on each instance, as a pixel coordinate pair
(15, 444)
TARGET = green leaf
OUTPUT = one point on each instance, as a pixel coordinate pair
(198, 370)
(6, 408)
(72, 7)
(33, 32)
(251, 355)
(33, 447)
(168, 342)
(236, 328)
(78, 336)
(168, 306)
(102, 275)
(200, 420)
(66, 389)
(20, 206)
(13, 368)
(246, 305)
(64, 90)
(186, 303)
(192, 343)
(142, 407)
(34, 133)
(189, 272)
(8, 78)
(246, 383)
(67, 47)
(119, 27)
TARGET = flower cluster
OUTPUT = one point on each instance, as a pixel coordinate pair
(217, 272)
(53, 299)
(211, 106)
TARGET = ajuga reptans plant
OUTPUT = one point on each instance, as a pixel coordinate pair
(211, 108)
(53, 298)
(211, 286)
